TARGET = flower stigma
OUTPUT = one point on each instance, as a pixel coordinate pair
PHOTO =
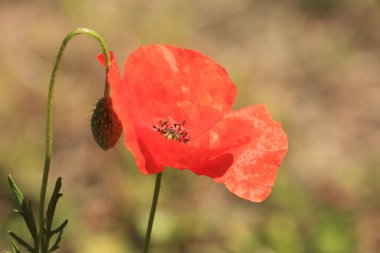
(172, 130)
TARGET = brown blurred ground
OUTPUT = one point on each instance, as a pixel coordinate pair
(314, 63)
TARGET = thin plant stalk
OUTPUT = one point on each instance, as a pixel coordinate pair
(42, 247)
(152, 212)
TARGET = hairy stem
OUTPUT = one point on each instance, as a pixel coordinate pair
(43, 247)
(152, 212)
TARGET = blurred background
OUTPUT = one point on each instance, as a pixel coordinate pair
(314, 63)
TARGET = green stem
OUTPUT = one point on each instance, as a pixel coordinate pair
(152, 212)
(43, 247)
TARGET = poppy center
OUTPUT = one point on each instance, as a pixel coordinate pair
(173, 130)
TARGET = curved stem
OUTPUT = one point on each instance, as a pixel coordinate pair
(152, 212)
(43, 248)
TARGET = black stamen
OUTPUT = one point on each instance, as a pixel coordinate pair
(172, 130)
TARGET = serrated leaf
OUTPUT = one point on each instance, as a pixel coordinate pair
(54, 248)
(57, 241)
(15, 190)
(53, 203)
(60, 227)
(26, 212)
(50, 215)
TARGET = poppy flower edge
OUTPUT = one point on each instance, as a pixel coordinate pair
(256, 162)
(186, 97)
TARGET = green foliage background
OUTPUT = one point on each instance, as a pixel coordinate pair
(314, 63)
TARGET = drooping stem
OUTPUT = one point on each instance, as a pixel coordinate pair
(152, 212)
(43, 248)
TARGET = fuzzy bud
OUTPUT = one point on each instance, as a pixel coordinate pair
(105, 125)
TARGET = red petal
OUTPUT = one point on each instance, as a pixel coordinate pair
(120, 103)
(215, 167)
(117, 85)
(166, 81)
(257, 159)
(176, 154)
(102, 58)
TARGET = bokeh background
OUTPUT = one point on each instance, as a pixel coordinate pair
(314, 63)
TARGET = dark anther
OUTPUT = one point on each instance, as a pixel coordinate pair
(173, 130)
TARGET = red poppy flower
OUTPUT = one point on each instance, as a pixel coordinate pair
(174, 105)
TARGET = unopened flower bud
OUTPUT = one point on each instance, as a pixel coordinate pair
(105, 125)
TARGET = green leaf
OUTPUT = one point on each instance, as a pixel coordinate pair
(22, 242)
(57, 241)
(60, 227)
(16, 191)
(15, 248)
(30, 221)
(50, 215)
(26, 212)
(53, 204)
